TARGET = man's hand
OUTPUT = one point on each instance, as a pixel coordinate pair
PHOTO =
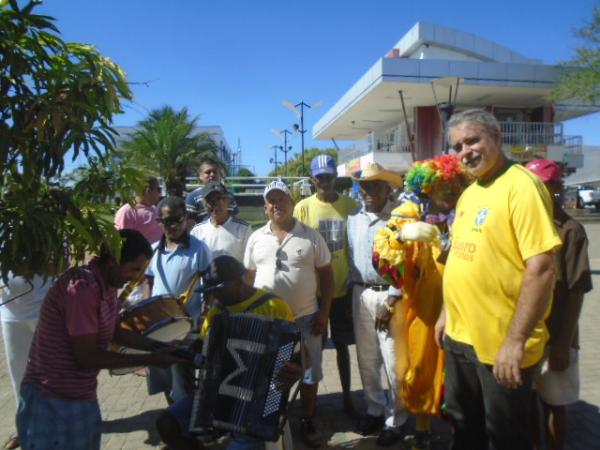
(289, 373)
(440, 329)
(507, 368)
(419, 231)
(559, 358)
(383, 314)
(319, 325)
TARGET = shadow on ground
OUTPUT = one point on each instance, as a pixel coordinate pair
(140, 422)
(341, 431)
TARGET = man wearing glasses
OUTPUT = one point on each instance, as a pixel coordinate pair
(223, 233)
(177, 261)
(292, 259)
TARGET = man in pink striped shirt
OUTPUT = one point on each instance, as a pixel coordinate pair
(58, 407)
(142, 216)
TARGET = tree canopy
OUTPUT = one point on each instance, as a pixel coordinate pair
(165, 144)
(581, 75)
(294, 165)
(57, 100)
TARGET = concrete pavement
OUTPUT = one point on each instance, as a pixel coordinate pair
(129, 413)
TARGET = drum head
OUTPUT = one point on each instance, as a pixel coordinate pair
(164, 331)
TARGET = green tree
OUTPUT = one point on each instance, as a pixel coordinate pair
(57, 99)
(580, 78)
(244, 172)
(165, 144)
(294, 165)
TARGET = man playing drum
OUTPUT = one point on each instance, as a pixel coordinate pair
(58, 406)
(226, 279)
(175, 267)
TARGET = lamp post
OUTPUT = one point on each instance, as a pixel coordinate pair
(283, 134)
(274, 160)
(298, 109)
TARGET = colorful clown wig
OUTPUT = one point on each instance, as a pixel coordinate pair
(443, 170)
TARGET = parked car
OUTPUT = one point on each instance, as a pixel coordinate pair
(586, 196)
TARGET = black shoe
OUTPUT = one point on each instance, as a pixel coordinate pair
(371, 425)
(389, 436)
(309, 434)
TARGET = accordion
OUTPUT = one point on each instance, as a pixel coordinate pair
(237, 390)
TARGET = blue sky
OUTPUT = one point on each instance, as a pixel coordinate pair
(232, 62)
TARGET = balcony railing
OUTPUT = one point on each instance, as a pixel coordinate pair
(397, 144)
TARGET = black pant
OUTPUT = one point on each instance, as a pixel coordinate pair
(484, 414)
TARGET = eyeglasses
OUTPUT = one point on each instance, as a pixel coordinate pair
(169, 221)
(278, 259)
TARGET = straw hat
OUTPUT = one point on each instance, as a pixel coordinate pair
(374, 171)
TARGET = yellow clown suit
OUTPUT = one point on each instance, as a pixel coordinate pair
(432, 188)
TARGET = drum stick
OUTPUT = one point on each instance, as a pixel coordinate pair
(134, 283)
(184, 298)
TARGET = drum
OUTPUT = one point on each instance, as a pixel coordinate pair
(161, 317)
(237, 389)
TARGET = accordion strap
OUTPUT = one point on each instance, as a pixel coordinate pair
(258, 302)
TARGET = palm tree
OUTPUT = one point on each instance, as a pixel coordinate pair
(165, 144)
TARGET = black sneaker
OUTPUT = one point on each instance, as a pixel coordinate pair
(371, 425)
(389, 436)
(309, 434)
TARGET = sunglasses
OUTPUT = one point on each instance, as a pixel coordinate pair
(279, 259)
(168, 221)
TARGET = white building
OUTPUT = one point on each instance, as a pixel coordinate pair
(433, 66)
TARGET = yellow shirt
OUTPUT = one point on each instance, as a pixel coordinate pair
(498, 226)
(274, 308)
(330, 220)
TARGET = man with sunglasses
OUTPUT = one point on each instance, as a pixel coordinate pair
(327, 212)
(292, 259)
(223, 233)
(178, 261)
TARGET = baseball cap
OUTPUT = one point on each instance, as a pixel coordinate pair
(222, 269)
(213, 186)
(276, 185)
(546, 169)
(323, 164)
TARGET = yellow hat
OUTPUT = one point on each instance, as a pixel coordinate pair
(375, 172)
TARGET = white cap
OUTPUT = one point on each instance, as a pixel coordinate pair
(277, 185)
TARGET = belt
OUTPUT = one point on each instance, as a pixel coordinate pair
(373, 287)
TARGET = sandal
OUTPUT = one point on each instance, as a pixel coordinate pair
(12, 442)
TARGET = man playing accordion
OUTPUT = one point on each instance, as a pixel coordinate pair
(225, 278)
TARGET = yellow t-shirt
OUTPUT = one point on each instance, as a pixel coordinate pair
(498, 226)
(329, 219)
(274, 308)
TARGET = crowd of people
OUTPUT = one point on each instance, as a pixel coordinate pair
(462, 295)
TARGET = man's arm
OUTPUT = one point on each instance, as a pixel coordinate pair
(325, 274)
(250, 276)
(534, 298)
(559, 357)
(88, 356)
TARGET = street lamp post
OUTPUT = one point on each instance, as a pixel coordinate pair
(300, 128)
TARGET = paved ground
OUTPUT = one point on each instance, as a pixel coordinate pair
(129, 413)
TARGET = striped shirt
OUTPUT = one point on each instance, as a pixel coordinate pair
(79, 303)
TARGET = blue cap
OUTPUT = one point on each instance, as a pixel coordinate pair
(323, 164)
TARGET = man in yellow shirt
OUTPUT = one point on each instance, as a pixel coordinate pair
(497, 290)
(225, 277)
(327, 212)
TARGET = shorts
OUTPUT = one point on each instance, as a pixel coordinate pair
(311, 349)
(45, 422)
(559, 388)
(340, 320)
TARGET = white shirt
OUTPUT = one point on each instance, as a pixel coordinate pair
(23, 298)
(288, 268)
(227, 239)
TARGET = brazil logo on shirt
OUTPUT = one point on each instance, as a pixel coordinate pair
(481, 216)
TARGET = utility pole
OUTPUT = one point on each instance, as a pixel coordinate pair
(286, 149)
